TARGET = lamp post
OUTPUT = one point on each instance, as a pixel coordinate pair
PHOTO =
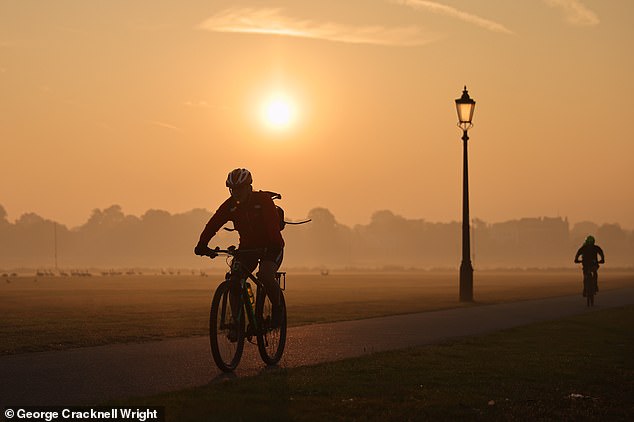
(465, 106)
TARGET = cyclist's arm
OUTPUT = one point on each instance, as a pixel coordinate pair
(219, 219)
(577, 256)
(600, 251)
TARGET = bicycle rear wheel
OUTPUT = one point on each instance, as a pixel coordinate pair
(226, 337)
(271, 340)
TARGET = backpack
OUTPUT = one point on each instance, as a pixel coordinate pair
(280, 211)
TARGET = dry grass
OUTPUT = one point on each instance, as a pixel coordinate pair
(60, 313)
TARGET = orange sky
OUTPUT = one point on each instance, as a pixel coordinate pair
(148, 104)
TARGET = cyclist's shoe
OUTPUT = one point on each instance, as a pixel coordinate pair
(277, 316)
(233, 333)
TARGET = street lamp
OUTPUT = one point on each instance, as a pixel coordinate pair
(465, 106)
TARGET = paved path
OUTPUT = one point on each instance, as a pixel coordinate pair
(95, 374)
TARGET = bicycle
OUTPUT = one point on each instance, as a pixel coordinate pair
(227, 332)
(590, 278)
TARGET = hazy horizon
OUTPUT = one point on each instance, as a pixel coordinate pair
(112, 238)
(294, 217)
(345, 105)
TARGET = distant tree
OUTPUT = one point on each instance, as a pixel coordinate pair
(322, 218)
(32, 239)
(387, 236)
(322, 242)
(29, 220)
(3, 215)
(109, 217)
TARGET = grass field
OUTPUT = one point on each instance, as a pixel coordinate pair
(44, 313)
(578, 368)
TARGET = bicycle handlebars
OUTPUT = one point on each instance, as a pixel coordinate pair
(231, 251)
(593, 262)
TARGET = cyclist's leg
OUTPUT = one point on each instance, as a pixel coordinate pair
(236, 288)
(269, 264)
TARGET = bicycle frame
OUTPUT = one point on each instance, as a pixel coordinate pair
(240, 274)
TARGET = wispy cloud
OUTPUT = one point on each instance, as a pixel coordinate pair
(164, 125)
(196, 104)
(443, 9)
(202, 104)
(274, 22)
(575, 13)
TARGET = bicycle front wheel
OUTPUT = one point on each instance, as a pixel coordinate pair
(226, 330)
(271, 338)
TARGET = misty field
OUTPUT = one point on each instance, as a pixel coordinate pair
(51, 313)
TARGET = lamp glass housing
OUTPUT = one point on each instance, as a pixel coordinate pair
(465, 106)
(465, 112)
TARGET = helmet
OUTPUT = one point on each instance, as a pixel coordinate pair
(590, 240)
(239, 177)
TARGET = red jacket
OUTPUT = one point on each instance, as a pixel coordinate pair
(257, 222)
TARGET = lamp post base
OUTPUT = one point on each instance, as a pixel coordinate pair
(466, 282)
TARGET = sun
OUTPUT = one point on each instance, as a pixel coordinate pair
(278, 112)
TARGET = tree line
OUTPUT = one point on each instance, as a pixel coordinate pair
(158, 239)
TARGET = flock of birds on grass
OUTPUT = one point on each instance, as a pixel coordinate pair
(83, 273)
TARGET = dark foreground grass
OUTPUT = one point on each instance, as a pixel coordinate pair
(579, 368)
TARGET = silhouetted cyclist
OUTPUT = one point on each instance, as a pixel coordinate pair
(590, 254)
(257, 221)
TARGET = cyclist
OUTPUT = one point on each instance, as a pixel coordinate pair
(255, 218)
(590, 253)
